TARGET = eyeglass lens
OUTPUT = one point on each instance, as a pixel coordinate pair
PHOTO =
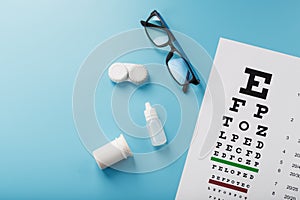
(157, 35)
(179, 69)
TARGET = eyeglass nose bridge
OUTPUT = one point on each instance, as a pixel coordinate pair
(169, 56)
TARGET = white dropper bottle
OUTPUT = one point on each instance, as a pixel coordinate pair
(154, 126)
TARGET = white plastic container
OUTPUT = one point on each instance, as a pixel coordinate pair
(112, 152)
(134, 73)
(154, 126)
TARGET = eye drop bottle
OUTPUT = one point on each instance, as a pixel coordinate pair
(154, 126)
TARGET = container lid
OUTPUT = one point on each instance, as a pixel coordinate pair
(149, 112)
(123, 146)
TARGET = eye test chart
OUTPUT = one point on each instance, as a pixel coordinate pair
(252, 150)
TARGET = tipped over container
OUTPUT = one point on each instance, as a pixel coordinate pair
(112, 152)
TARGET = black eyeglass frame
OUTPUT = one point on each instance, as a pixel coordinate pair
(172, 43)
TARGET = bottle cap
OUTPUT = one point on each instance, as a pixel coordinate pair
(149, 112)
(123, 146)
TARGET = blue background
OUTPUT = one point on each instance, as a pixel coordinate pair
(43, 44)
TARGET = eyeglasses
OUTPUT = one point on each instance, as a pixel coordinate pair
(177, 62)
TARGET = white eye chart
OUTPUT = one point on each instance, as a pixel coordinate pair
(252, 150)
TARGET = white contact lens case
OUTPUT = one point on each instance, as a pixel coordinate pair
(134, 73)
